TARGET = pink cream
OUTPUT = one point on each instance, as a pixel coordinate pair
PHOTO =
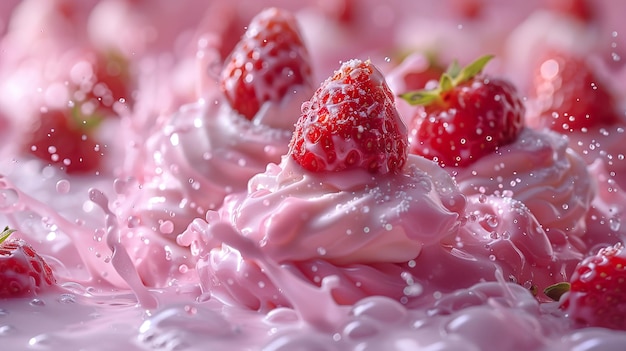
(463, 281)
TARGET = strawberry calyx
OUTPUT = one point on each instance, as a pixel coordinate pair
(555, 291)
(5, 234)
(454, 76)
(84, 122)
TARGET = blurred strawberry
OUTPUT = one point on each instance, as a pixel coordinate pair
(582, 10)
(568, 94)
(269, 60)
(342, 11)
(61, 137)
(99, 81)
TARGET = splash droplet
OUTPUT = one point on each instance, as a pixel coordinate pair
(63, 186)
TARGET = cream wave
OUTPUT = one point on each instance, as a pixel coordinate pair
(541, 171)
(606, 219)
(499, 235)
(205, 152)
(352, 223)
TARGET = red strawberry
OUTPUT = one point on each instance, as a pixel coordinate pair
(469, 9)
(60, 137)
(568, 95)
(468, 115)
(266, 64)
(22, 270)
(596, 294)
(101, 81)
(420, 75)
(580, 9)
(342, 11)
(351, 122)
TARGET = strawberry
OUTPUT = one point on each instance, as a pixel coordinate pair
(22, 270)
(341, 11)
(568, 95)
(269, 60)
(469, 9)
(582, 10)
(351, 122)
(468, 115)
(596, 293)
(419, 76)
(61, 137)
(100, 80)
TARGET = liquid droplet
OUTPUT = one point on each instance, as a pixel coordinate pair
(63, 186)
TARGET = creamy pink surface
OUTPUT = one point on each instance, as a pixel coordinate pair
(541, 171)
(122, 286)
(203, 153)
(351, 222)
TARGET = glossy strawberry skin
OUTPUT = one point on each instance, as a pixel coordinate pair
(22, 271)
(351, 122)
(269, 60)
(57, 139)
(568, 96)
(470, 120)
(597, 295)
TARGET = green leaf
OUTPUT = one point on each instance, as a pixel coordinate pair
(557, 290)
(421, 97)
(454, 69)
(5, 234)
(453, 76)
(445, 83)
(86, 123)
(471, 70)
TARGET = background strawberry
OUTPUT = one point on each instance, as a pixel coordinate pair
(468, 115)
(342, 11)
(580, 9)
(351, 122)
(110, 81)
(269, 60)
(417, 76)
(596, 293)
(22, 270)
(61, 137)
(568, 94)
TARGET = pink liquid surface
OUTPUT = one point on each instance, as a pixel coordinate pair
(464, 281)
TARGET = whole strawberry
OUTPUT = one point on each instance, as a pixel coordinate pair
(596, 293)
(467, 116)
(568, 95)
(22, 270)
(267, 63)
(351, 122)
